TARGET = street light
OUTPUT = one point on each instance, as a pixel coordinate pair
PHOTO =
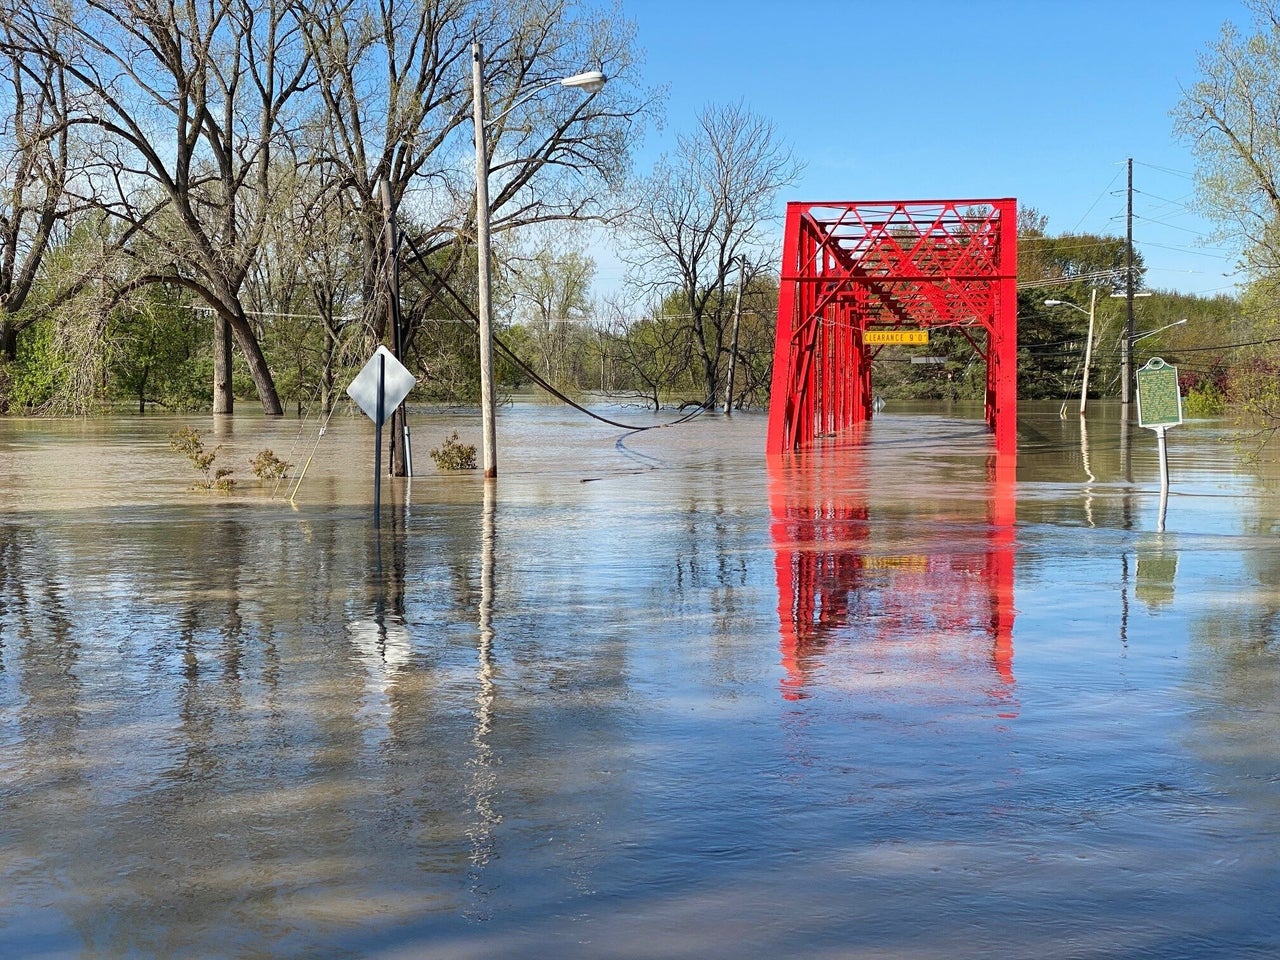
(1152, 333)
(1126, 342)
(591, 81)
(1088, 344)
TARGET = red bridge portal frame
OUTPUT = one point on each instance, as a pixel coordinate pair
(916, 264)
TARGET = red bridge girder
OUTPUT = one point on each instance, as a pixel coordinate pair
(850, 266)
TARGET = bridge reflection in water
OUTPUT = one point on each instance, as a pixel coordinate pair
(885, 574)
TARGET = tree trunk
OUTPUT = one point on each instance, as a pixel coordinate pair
(326, 376)
(262, 379)
(8, 340)
(223, 400)
(709, 372)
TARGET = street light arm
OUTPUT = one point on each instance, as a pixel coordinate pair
(1066, 303)
(1152, 333)
(1088, 345)
(591, 82)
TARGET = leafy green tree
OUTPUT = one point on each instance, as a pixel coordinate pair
(1228, 117)
(1070, 268)
(160, 351)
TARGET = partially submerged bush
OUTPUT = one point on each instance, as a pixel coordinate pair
(453, 454)
(187, 442)
(267, 466)
(1203, 402)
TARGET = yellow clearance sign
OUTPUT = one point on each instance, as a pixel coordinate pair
(895, 336)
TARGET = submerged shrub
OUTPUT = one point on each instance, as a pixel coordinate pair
(267, 466)
(453, 454)
(187, 441)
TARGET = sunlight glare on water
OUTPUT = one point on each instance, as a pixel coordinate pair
(647, 695)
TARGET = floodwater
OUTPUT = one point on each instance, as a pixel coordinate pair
(648, 696)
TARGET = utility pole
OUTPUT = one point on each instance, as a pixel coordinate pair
(733, 349)
(484, 301)
(401, 464)
(1088, 350)
(1126, 346)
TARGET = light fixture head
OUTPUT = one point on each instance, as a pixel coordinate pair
(591, 81)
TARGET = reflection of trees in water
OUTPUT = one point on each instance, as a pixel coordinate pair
(222, 756)
(198, 667)
(709, 575)
(1235, 659)
(12, 589)
(44, 651)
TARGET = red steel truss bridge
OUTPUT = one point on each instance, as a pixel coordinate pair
(854, 273)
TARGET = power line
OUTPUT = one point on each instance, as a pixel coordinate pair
(533, 374)
(1096, 201)
(1177, 173)
(1165, 246)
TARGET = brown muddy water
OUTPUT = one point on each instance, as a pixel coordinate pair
(652, 696)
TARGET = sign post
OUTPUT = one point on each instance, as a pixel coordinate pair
(1160, 407)
(378, 389)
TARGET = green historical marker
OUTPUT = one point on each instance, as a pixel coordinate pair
(1159, 400)
(1159, 408)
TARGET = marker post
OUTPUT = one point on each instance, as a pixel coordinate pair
(1159, 407)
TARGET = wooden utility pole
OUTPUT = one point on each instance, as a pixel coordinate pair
(733, 348)
(401, 461)
(1126, 346)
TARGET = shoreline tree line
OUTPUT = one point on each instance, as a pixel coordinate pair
(197, 196)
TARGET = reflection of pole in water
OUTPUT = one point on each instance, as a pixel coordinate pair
(382, 643)
(1002, 515)
(484, 779)
(1164, 477)
(1125, 451)
(1088, 472)
(1124, 598)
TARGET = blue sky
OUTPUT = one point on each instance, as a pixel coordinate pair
(1042, 100)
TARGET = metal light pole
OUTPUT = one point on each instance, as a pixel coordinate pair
(590, 81)
(1088, 344)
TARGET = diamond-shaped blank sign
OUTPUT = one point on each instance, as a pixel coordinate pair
(396, 384)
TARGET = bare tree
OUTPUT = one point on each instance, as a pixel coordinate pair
(35, 158)
(553, 284)
(702, 210)
(193, 99)
(553, 157)
(207, 116)
(648, 358)
(310, 285)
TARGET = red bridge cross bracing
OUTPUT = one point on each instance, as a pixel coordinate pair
(851, 267)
